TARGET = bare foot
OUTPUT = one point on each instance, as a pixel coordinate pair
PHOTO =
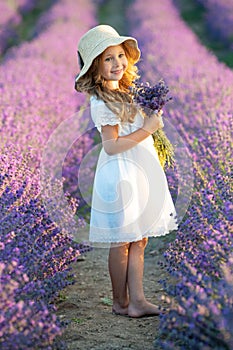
(142, 309)
(119, 310)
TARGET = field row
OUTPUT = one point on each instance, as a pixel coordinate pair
(12, 13)
(200, 122)
(219, 17)
(37, 82)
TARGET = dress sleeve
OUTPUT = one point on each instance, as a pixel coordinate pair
(102, 115)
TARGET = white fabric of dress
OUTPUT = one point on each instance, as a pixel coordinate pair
(131, 199)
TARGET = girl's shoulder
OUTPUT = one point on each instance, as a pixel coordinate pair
(101, 114)
(94, 100)
(99, 106)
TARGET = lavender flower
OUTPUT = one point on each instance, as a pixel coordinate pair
(152, 99)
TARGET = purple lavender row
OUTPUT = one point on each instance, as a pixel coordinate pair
(36, 253)
(32, 267)
(219, 17)
(37, 82)
(202, 114)
(11, 16)
(10, 11)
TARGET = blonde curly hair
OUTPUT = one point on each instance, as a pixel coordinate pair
(118, 101)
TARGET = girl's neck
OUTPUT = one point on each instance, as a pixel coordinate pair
(112, 84)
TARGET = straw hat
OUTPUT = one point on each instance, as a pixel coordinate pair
(97, 40)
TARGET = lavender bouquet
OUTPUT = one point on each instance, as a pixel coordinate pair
(152, 99)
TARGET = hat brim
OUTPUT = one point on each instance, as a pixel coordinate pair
(131, 45)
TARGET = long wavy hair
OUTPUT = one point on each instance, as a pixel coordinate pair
(119, 101)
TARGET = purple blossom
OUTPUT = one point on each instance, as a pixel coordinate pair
(151, 97)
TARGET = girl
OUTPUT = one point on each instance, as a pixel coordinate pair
(131, 200)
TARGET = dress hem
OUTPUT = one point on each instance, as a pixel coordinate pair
(139, 238)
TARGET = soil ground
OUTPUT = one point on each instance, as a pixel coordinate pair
(86, 305)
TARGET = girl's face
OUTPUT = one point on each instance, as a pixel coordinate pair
(113, 64)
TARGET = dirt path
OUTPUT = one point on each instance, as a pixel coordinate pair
(87, 308)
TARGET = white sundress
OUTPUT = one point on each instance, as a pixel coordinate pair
(130, 199)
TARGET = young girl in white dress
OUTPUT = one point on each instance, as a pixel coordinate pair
(131, 200)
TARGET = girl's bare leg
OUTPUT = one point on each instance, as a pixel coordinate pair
(138, 305)
(118, 269)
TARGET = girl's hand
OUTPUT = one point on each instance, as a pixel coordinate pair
(154, 122)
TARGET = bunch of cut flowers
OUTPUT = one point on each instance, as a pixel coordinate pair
(151, 99)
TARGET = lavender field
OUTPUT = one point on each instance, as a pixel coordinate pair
(201, 256)
(219, 16)
(37, 95)
(37, 245)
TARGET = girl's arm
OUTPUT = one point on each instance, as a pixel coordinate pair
(113, 143)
